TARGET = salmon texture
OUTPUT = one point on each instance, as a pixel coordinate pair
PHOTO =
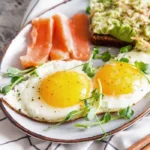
(80, 34)
(38, 51)
(71, 38)
(62, 39)
(58, 38)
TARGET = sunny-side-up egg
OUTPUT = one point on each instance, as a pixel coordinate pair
(58, 90)
(123, 84)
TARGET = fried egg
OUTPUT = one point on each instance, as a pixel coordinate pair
(61, 85)
(56, 91)
(122, 85)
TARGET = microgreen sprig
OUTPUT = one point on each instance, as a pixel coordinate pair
(105, 56)
(145, 68)
(126, 113)
(17, 76)
(126, 60)
(88, 67)
(126, 49)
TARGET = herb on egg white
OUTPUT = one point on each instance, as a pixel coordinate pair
(17, 76)
(126, 113)
(126, 49)
(145, 68)
(88, 9)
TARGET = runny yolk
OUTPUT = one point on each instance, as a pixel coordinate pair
(65, 88)
(117, 78)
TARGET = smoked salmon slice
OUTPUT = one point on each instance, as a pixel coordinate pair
(63, 43)
(71, 38)
(38, 51)
(80, 34)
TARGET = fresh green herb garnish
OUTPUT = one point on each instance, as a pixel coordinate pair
(124, 60)
(105, 56)
(88, 67)
(126, 49)
(145, 68)
(6, 89)
(106, 118)
(126, 113)
(11, 72)
(88, 9)
(17, 76)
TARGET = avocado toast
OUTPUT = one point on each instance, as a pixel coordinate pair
(120, 22)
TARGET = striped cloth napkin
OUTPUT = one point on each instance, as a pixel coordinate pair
(12, 138)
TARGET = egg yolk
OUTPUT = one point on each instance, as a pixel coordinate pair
(65, 88)
(117, 78)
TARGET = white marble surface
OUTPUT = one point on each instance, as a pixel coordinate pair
(11, 15)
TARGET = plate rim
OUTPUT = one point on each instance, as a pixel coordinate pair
(96, 137)
(27, 131)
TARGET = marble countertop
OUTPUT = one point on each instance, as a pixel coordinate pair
(11, 15)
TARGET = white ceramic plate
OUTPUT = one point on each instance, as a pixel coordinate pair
(65, 133)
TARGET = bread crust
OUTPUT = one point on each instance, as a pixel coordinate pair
(107, 40)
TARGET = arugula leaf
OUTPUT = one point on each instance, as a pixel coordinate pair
(126, 113)
(124, 60)
(6, 89)
(126, 49)
(106, 117)
(143, 67)
(88, 9)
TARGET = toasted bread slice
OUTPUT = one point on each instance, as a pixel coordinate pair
(108, 40)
